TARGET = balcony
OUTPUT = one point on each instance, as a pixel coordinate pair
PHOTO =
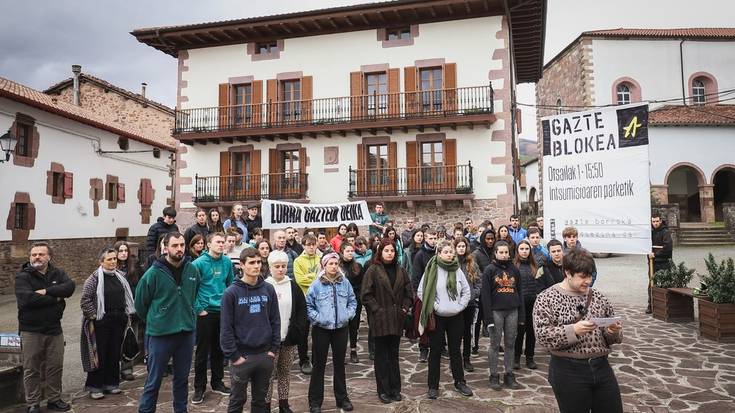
(468, 106)
(214, 190)
(412, 184)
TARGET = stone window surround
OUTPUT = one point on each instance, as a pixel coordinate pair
(55, 169)
(710, 87)
(96, 193)
(21, 234)
(382, 34)
(633, 86)
(145, 205)
(33, 141)
(256, 57)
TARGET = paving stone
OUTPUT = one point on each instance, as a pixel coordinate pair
(704, 396)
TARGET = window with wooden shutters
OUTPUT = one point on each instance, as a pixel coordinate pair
(409, 81)
(68, 185)
(377, 166)
(287, 166)
(57, 183)
(25, 150)
(356, 96)
(432, 161)
(449, 86)
(224, 176)
(145, 197)
(224, 109)
(430, 84)
(241, 165)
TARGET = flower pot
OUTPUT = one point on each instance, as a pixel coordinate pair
(671, 307)
(716, 321)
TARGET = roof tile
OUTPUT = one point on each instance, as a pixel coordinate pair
(691, 32)
(707, 115)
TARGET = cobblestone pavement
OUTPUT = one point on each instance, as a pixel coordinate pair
(661, 367)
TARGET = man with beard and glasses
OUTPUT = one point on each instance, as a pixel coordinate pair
(165, 298)
(40, 290)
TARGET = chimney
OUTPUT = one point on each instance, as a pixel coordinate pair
(142, 88)
(76, 70)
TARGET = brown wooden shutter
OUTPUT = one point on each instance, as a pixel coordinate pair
(30, 216)
(450, 162)
(412, 170)
(68, 185)
(361, 166)
(224, 175)
(274, 174)
(303, 183)
(120, 192)
(271, 97)
(450, 87)
(392, 167)
(257, 102)
(224, 101)
(356, 96)
(394, 90)
(409, 80)
(307, 94)
(255, 177)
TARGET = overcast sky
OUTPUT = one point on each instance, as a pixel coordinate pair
(40, 40)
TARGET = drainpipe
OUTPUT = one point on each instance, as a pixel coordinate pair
(142, 88)
(681, 64)
(512, 88)
(76, 70)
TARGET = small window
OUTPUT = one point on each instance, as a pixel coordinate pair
(699, 91)
(111, 192)
(23, 147)
(157, 153)
(266, 47)
(623, 92)
(123, 143)
(21, 213)
(558, 107)
(400, 33)
(57, 184)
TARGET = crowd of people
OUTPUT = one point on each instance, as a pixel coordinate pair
(221, 294)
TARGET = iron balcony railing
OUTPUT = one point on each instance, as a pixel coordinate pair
(289, 185)
(421, 180)
(462, 101)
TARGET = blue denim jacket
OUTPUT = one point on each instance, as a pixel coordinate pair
(330, 305)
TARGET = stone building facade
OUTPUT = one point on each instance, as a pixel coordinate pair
(678, 72)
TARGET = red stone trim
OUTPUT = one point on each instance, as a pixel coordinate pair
(241, 148)
(111, 194)
(181, 83)
(700, 175)
(720, 168)
(55, 168)
(376, 140)
(431, 137)
(289, 76)
(239, 80)
(21, 234)
(429, 62)
(710, 87)
(96, 193)
(380, 67)
(635, 89)
(331, 170)
(34, 140)
(145, 204)
(382, 33)
(256, 57)
(288, 146)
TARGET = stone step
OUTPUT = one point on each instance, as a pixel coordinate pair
(704, 231)
(706, 243)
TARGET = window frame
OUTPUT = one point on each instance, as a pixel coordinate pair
(243, 112)
(266, 48)
(375, 106)
(290, 108)
(431, 97)
(20, 218)
(624, 97)
(23, 134)
(399, 33)
(699, 84)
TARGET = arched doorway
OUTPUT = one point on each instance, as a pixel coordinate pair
(532, 202)
(683, 182)
(724, 189)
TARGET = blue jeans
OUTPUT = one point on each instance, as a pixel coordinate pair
(180, 347)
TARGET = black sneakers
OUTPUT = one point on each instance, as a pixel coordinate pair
(306, 367)
(531, 364)
(346, 405)
(353, 357)
(221, 389)
(463, 389)
(495, 382)
(468, 366)
(509, 380)
(34, 409)
(198, 397)
(423, 355)
(58, 406)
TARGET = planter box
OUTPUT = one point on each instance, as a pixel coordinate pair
(716, 321)
(670, 306)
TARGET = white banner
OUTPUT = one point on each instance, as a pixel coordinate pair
(278, 214)
(596, 178)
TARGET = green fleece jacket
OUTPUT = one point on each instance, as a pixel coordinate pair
(167, 306)
(305, 269)
(216, 276)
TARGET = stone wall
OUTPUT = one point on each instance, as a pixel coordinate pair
(147, 120)
(78, 257)
(569, 78)
(670, 215)
(728, 214)
(448, 214)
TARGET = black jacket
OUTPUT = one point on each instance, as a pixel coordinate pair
(661, 237)
(502, 289)
(42, 313)
(483, 255)
(196, 229)
(155, 232)
(420, 260)
(298, 322)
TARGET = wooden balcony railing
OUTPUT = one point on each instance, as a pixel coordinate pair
(250, 187)
(338, 110)
(422, 180)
